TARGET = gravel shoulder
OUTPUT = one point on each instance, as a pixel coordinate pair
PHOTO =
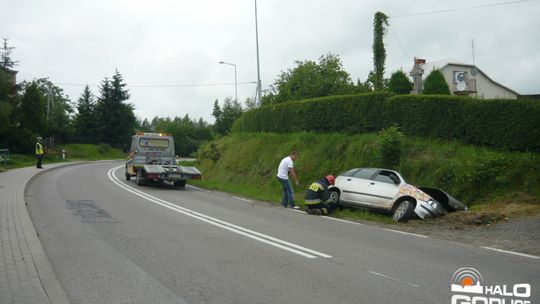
(519, 234)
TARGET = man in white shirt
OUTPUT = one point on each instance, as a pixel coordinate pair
(286, 167)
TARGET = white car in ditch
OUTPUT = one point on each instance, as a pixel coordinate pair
(387, 190)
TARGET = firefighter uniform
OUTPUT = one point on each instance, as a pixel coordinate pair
(317, 195)
(39, 153)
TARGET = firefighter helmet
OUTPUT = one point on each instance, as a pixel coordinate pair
(331, 180)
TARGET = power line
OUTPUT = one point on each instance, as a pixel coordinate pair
(460, 9)
(399, 41)
(159, 85)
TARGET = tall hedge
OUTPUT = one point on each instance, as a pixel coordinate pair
(504, 124)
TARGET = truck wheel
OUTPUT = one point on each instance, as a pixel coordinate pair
(180, 183)
(139, 178)
(404, 211)
(128, 176)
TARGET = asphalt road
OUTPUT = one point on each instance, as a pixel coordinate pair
(111, 241)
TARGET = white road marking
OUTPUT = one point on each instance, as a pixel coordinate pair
(303, 251)
(243, 199)
(408, 233)
(513, 252)
(343, 221)
(200, 189)
(393, 279)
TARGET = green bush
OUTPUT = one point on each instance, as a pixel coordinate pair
(390, 142)
(435, 84)
(399, 83)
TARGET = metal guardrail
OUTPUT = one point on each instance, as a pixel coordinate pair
(4, 156)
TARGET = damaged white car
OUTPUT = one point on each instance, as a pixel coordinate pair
(387, 190)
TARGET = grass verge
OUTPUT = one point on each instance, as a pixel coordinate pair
(74, 152)
(503, 184)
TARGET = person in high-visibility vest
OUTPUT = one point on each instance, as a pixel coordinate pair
(317, 196)
(39, 153)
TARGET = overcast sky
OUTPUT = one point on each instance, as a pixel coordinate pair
(168, 51)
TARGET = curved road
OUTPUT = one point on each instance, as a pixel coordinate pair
(111, 241)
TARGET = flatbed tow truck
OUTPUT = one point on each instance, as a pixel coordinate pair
(152, 158)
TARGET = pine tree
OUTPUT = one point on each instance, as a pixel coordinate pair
(117, 121)
(5, 56)
(86, 124)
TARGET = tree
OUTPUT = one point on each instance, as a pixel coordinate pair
(8, 102)
(8, 93)
(188, 134)
(58, 111)
(379, 52)
(31, 112)
(116, 118)
(145, 125)
(399, 83)
(436, 84)
(86, 124)
(225, 117)
(5, 55)
(310, 79)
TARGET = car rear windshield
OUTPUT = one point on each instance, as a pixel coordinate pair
(154, 143)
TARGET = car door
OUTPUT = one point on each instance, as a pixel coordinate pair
(353, 189)
(382, 189)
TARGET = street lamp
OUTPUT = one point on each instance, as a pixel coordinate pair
(235, 82)
(258, 67)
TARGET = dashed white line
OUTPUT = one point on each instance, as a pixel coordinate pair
(297, 249)
(408, 233)
(243, 199)
(200, 189)
(343, 221)
(393, 279)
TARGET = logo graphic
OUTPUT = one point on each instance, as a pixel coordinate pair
(469, 287)
(468, 280)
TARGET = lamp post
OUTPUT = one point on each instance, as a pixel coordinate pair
(258, 67)
(235, 82)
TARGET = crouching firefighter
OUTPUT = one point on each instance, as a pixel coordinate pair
(317, 196)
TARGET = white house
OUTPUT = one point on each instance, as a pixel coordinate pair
(462, 79)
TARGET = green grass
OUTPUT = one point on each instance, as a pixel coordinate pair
(246, 164)
(74, 152)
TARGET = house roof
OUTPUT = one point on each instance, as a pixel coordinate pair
(439, 64)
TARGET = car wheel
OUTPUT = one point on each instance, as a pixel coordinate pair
(139, 178)
(333, 200)
(180, 183)
(404, 211)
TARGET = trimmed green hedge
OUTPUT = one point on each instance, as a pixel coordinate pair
(504, 124)
(351, 113)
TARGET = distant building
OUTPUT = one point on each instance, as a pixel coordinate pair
(462, 79)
